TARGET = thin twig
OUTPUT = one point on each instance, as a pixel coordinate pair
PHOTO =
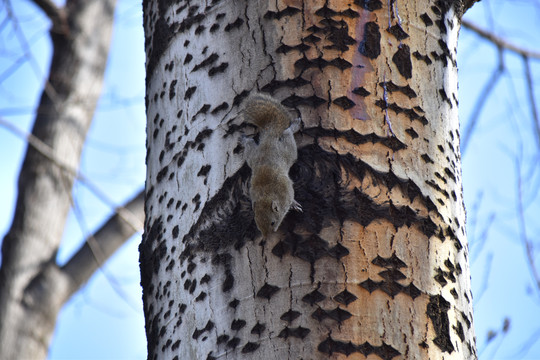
(498, 41)
(529, 249)
(532, 102)
(480, 102)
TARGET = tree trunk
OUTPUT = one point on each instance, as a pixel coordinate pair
(376, 264)
(32, 286)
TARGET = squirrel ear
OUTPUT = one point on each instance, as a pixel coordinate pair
(275, 206)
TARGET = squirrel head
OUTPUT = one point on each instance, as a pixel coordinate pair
(268, 215)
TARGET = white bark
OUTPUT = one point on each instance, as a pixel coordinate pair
(377, 262)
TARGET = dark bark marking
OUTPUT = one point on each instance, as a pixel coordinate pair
(250, 347)
(320, 63)
(161, 38)
(188, 58)
(345, 297)
(344, 102)
(189, 92)
(298, 332)
(233, 343)
(336, 314)
(371, 44)
(198, 332)
(172, 92)
(284, 49)
(218, 69)
(237, 324)
(441, 25)
(427, 159)
(445, 97)
(350, 13)
(402, 59)
(339, 37)
(311, 39)
(162, 173)
(391, 262)
(234, 25)
(391, 87)
(361, 91)
(258, 329)
(313, 297)
(267, 291)
(221, 107)
(398, 32)
(466, 319)
(410, 113)
(199, 29)
(424, 58)
(273, 85)
(228, 283)
(326, 12)
(288, 11)
(311, 101)
(190, 20)
(233, 304)
(370, 5)
(222, 338)
(206, 62)
(290, 316)
(459, 331)
(437, 310)
(201, 296)
(413, 134)
(426, 19)
(391, 276)
(330, 346)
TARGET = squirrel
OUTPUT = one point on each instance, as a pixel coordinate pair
(271, 188)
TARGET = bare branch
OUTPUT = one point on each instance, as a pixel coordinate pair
(480, 102)
(498, 41)
(56, 15)
(532, 102)
(101, 245)
(527, 244)
(48, 153)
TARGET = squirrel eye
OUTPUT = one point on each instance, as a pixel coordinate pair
(273, 223)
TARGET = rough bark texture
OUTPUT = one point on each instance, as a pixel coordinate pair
(376, 265)
(32, 286)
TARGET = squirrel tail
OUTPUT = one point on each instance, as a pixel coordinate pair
(267, 113)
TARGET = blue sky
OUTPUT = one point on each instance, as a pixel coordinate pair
(105, 321)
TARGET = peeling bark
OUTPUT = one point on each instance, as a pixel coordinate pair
(377, 262)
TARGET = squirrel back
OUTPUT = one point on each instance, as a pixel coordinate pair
(267, 114)
(271, 188)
